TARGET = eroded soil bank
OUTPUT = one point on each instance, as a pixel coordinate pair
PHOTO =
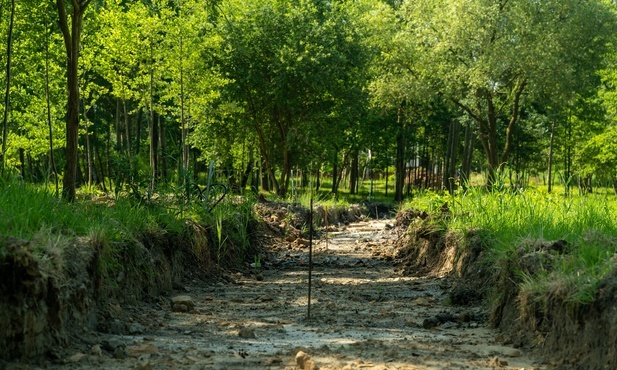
(365, 314)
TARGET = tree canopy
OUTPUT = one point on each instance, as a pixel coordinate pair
(134, 96)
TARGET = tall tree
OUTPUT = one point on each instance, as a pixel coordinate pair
(492, 56)
(9, 52)
(71, 32)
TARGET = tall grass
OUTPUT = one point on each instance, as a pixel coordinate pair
(511, 219)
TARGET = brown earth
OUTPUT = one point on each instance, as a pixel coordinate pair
(365, 313)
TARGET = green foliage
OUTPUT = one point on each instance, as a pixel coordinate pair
(510, 219)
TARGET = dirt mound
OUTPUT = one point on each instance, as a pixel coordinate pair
(571, 336)
(427, 247)
(42, 297)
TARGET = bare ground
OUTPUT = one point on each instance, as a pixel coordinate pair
(364, 315)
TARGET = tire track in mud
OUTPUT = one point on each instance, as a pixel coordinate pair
(365, 315)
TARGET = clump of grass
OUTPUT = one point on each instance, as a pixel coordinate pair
(507, 218)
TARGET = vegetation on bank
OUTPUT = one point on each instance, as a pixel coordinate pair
(514, 223)
(124, 228)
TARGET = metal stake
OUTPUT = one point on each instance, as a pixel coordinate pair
(310, 274)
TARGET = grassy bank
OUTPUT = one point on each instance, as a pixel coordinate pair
(515, 223)
(123, 226)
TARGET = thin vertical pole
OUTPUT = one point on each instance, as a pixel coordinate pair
(310, 275)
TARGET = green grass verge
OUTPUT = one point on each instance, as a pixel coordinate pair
(117, 225)
(514, 219)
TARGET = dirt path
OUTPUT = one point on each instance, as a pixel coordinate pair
(364, 316)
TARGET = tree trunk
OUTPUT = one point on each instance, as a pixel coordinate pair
(72, 39)
(400, 158)
(449, 174)
(550, 158)
(137, 146)
(9, 52)
(318, 179)
(163, 145)
(264, 154)
(88, 152)
(52, 161)
(353, 175)
(335, 172)
(467, 155)
(153, 127)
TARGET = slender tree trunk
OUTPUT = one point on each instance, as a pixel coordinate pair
(5, 118)
(400, 157)
(185, 152)
(467, 156)
(108, 157)
(153, 129)
(137, 146)
(568, 157)
(101, 169)
(52, 161)
(335, 172)
(353, 174)
(22, 164)
(88, 151)
(163, 145)
(127, 133)
(72, 38)
(387, 175)
(449, 175)
(266, 159)
(318, 179)
(550, 158)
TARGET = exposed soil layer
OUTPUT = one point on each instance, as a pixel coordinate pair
(364, 314)
(570, 337)
(567, 337)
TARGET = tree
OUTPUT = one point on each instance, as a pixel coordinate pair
(493, 56)
(72, 38)
(7, 84)
(288, 64)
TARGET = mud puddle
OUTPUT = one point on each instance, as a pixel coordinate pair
(364, 315)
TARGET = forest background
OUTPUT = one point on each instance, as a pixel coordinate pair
(141, 96)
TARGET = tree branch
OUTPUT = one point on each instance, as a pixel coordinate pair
(64, 26)
(513, 119)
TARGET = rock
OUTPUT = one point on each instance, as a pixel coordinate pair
(430, 323)
(305, 362)
(182, 303)
(77, 357)
(303, 242)
(143, 349)
(496, 362)
(464, 317)
(111, 345)
(246, 333)
(265, 298)
(136, 328)
(422, 302)
(144, 364)
(95, 350)
(444, 317)
(273, 361)
(120, 353)
(116, 327)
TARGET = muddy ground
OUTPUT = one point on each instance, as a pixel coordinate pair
(364, 315)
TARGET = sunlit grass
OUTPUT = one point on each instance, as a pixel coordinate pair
(588, 223)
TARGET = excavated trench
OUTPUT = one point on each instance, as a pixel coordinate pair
(365, 313)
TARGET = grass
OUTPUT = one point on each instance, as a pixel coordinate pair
(510, 219)
(119, 226)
